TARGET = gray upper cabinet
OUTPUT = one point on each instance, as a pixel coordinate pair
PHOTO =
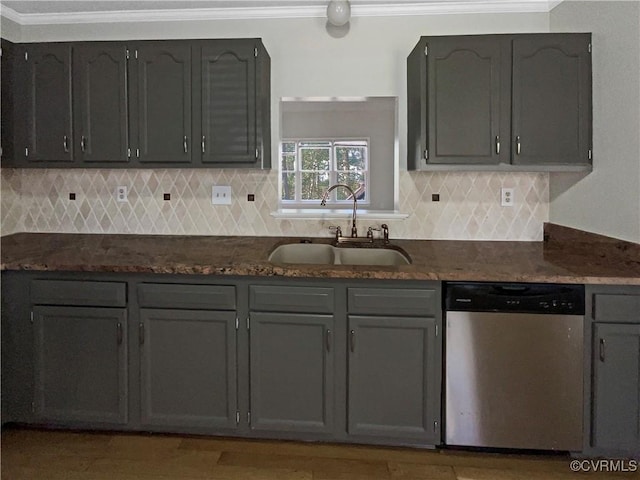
(187, 103)
(44, 131)
(80, 365)
(500, 102)
(552, 100)
(161, 102)
(188, 368)
(7, 126)
(100, 103)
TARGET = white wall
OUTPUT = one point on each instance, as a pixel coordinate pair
(607, 201)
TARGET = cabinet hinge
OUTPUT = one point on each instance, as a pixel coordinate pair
(255, 51)
(590, 154)
(237, 323)
(26, 151)
(426, 154)
(31, 317)
(426, 50)
(237, 417)
(589, 48)
(26, 56)
(249, 418)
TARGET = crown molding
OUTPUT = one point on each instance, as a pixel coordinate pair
(193, 14)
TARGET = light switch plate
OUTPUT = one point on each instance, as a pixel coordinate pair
(506, 197)
(221, 195)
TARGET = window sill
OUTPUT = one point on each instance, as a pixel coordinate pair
(318, 214)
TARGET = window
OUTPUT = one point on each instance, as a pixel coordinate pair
(310, 167)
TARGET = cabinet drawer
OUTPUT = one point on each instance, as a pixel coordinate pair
(616, 308)
(82, 293)
(389, 301)
(291, 299)
(196, 297)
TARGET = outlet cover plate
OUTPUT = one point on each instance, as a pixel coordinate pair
(122, 194)
(221, 195)
(506, 197)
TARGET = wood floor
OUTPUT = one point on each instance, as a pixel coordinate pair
(51, 455)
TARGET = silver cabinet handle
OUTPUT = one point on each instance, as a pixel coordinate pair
(602, 349)
(497, 144)
(203, 143)
(65, 143)
(352, 340)
(518, 145)
(119, 333)
(141, 333)
(328, 339)
(83, 143)
(184, 144)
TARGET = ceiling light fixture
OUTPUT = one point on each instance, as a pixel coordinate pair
(338, 12)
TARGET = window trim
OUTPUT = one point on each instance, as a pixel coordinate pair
(332, 201)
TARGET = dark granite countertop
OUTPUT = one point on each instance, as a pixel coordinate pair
(566, 256)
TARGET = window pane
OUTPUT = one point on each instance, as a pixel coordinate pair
(288, 186)
(314, 185)
(288, 162)
(315, 158)
(357, 183)
(288, 147)
(351, 158)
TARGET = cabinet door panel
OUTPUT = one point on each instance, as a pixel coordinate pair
(47, 88)
(551, 99)
(81, 364)
(100, 103)
(291, 372)
(164, 103)
(616, 404)
(228, 102)
(467, 86)
(394, 385)
(188, 368)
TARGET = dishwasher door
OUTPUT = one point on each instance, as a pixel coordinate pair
(514, 380)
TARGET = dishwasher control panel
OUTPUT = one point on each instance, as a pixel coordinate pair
(515, 297)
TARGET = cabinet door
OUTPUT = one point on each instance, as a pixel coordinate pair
(394, 379)
(163, 102)
(44, 131)
(100, 102)
(467, 100)
(7, 119)
(292, 372)
(616, 402)
(188, 368)
(227, 106)
(551, 99)
(80, 364)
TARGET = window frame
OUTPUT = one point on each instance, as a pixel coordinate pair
(332, 200)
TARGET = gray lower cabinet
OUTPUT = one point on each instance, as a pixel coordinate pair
(80, 365)
(188, 368)
(615, 376)
(292, 372)
(393, 378)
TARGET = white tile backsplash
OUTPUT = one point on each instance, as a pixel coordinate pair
(37, 200)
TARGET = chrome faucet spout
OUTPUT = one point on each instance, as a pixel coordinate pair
(323, 202)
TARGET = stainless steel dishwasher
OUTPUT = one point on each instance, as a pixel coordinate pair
(514, 365)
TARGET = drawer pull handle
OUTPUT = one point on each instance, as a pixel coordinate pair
(185, 144)
(203, 144)
(328, 339)
(602, 349)
(65, 144)
(119, 333)
(141, 333)
(497, 144)
(518, 145)
(352, 340)
(83, 143)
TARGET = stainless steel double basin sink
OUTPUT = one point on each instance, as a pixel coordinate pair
(324, 254)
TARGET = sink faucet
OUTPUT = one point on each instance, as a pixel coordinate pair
(354, 230)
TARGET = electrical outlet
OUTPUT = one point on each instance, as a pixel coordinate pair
(122, 194)
(506, 197)
(221, 195)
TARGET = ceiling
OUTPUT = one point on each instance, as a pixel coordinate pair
(92, 11)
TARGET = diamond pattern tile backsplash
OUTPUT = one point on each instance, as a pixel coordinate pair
(469, 207)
